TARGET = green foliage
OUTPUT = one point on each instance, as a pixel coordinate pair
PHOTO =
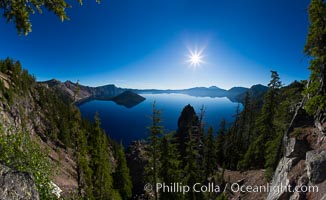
(234, 142)
(55, 107)
(155, 131)
(122, 179)
(84, 172)
(19, 11)
(222, 197)
(247, 122)
(59, 114)
(315, 47)
(115, 195)
(263, 142)
(254, 156)
(100, 163)
(265, 127)
(65, 128)
(192, 169)
(20, 78)
(297, 132)
(170, 170)
(220, 142)
(20, 152)
(210, 161)
(272, 155)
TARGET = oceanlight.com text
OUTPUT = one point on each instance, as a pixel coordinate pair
(234, 187)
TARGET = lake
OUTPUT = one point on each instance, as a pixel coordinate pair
(128, 124)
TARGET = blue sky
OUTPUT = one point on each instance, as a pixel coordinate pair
(144, 43)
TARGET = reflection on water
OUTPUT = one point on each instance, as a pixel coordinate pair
(128, 124)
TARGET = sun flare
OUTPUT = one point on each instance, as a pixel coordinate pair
(195, 58)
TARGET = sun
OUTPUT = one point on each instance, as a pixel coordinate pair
(195, 58)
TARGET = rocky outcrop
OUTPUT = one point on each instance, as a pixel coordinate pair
(296, 148)
(281, 178)
(16, 185)
(304, 163)
(316, 166)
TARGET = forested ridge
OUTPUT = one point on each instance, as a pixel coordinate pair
(32, 111)
(37, 120)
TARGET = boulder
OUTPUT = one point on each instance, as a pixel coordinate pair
(16, 185)
(316, 165)
(296, 148)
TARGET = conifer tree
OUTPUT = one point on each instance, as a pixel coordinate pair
(220, 142)
(246, 122)
(210, 162)
(290, 95)
(155, 131)
(100, 163)
(170, 171)
(19, 11)
(255, 155)
(233, 144)
(192, 169)
(84, 173)
(316, 48)
(122, 180)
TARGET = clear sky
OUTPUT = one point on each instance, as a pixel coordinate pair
(145, 43)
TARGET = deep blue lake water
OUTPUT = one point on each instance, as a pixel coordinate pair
(128, 124)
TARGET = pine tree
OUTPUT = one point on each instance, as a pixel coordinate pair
(100, 163)
(255, 155)
(316, 48)
(155, 131)
(122, 179)
(220, 143)
(84, 173)
(246, 122)
(290, 95)
(192, 168)
(201, 123)
(234, 142)
(170, 171)
(210, 162)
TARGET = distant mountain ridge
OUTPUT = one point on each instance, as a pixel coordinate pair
(256, 92)
(234, 94)
(80, 93)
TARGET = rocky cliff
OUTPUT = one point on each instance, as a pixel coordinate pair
(17, 185)
(80, 93)
(43, 116)
(29, 110)
(301, 171)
